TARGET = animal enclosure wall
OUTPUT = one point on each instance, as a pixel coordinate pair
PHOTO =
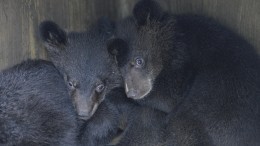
(19, 20)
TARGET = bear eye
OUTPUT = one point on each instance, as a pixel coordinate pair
(72, 84)
(100, 88)
(139, 62)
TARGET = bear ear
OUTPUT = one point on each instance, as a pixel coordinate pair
(105, 25)
(119, 49)
(52, 35)
(147, 10)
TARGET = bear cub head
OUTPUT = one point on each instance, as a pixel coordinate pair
(82, 58)
(143, 47)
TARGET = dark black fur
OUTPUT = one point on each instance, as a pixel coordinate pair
(102, 127)
(204, 75)
(140, 125)
(35, 108)
(145, 127)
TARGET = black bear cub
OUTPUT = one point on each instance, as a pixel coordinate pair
(35, 108)
(73, 54)
(90, 75)
(205, 76)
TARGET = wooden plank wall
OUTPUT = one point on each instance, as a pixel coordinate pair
(19, 20)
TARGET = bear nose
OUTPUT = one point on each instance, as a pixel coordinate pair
(84, 114)
(131, 93)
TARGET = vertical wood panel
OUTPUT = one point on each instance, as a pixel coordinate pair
(19, 20)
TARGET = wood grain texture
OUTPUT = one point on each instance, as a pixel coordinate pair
(19, 20)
